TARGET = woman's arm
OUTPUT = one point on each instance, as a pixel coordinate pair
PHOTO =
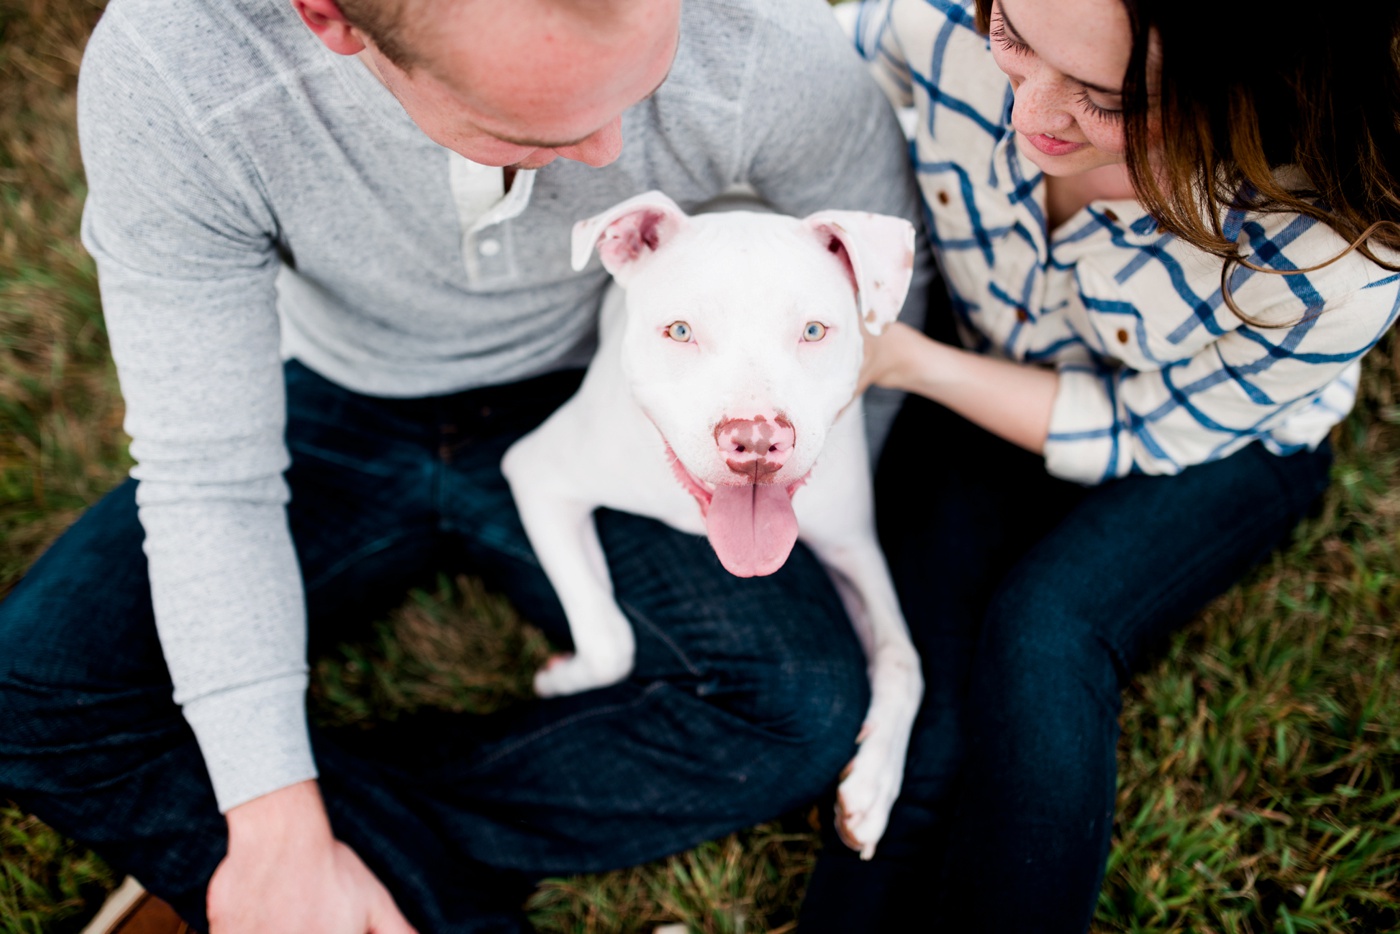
(1092, 422)
(1012, 400)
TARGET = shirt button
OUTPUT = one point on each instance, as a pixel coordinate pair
(943, 197)
(1122, 336)
(1022, 315)
(1109, 216)
(489, 247)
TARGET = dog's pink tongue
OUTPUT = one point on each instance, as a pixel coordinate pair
(752, 528)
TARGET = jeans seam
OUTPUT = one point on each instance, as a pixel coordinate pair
(508, 547)
(529, 738)
(340, 460)
(639, 618)
(364, 551)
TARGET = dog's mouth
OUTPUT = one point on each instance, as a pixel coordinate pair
(751, 526)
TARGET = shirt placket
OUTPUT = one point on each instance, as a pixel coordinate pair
(483, 207)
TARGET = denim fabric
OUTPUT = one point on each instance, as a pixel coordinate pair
(745, 701)
(1033, 601)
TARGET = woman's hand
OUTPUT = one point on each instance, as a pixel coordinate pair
(1009, 399)
(884, 356)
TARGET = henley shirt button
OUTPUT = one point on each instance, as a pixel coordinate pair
(1122, 336)
(489, 247)
(943, 197)
(1109, 216)
(1022, 315)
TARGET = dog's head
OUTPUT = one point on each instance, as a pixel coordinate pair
(743, 345)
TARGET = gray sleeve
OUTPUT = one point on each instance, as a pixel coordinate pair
(817, 133)
(186, 267)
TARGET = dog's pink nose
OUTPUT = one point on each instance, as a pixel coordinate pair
(755, 447)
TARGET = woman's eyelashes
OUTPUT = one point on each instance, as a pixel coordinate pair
(1002, 38)
(1015, 46)
(1094, 110)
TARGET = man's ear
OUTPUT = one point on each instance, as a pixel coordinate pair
(877, 253)
(323, 17)
(628, 232)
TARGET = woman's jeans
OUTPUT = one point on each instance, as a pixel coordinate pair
(1032, 602)
(744, 703)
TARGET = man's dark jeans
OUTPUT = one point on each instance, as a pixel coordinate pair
(745, 701)
(1032, 602)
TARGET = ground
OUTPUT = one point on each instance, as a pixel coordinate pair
(1258, 765)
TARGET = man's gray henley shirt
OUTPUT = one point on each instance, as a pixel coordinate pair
(255, 197)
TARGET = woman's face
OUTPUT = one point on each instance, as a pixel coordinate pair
(1066, 60)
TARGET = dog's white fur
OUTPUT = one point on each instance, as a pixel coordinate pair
(747, 287)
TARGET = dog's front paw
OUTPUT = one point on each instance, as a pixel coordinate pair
(604, 647)
(571, 674)
(868, 791)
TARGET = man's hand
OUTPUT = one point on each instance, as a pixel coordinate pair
(285, 872)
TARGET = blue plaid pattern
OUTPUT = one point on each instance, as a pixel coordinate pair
(1156, 372)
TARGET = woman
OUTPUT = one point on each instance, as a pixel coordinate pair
(1168, 231)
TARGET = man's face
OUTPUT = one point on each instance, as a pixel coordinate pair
(521, 83)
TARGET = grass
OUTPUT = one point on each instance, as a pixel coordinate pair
(1260, 759)
(60, 415)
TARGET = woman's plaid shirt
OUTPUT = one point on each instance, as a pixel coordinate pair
(1156, 372)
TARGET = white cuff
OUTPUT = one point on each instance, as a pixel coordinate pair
(254, 738)
(1084, 444)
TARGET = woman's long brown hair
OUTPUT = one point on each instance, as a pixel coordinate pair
(1218, 97)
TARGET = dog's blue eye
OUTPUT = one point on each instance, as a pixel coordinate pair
(814, 331)
(679, 331)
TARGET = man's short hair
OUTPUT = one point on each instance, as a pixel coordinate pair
(390, 24)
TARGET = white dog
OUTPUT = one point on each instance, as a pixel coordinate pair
(726, 365)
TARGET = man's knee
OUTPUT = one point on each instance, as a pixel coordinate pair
(810, 683)
(804, 720)
(820, 702)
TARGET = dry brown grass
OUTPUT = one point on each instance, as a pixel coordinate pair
(60, 415)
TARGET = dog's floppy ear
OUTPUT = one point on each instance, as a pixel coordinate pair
(877, 252)
(628, 231)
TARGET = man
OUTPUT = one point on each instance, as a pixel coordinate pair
(333, 241)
